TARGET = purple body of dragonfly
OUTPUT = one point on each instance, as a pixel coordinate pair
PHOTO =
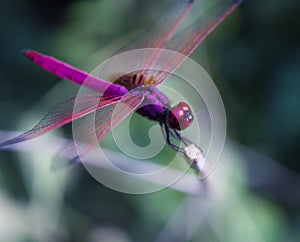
(69, 72)
(155, 111)
(138, 89)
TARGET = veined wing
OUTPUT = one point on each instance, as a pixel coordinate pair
(62, 114)
(190, 38)
(106, 119)
(166, 33)
(160, 33)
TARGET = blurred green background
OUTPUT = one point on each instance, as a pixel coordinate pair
(253, 58)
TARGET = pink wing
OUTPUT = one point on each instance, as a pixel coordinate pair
(62, 114)
(162, 31)
(106, 119)
(193, 36)
(166, 33)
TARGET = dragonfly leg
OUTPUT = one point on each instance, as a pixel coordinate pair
(168, 133)
(177, 135)
(181, 138)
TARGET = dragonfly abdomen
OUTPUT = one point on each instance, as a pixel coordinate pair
(66, 71)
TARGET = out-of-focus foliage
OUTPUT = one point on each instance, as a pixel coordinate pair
(254, 59)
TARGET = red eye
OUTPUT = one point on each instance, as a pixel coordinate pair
(180, 116)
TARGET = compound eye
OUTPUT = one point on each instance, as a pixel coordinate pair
(180, 116)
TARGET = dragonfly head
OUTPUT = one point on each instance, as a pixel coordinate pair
(180, 116)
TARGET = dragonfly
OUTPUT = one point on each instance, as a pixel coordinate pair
(137, 90)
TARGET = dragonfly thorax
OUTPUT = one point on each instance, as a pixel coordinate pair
(180, 116)
(136, 79)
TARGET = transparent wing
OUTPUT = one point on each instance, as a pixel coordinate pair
(163, 29)
(160, 33)
(106, 119)
(190, 38)
(62, 114)
(166, 32)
